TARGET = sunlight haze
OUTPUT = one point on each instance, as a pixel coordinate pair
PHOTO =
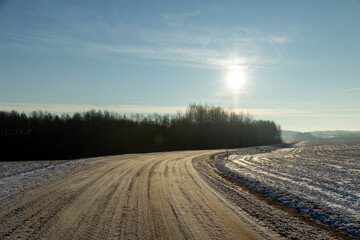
(235, 80)
(297, 62)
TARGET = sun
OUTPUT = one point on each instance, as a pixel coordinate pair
(235, 80)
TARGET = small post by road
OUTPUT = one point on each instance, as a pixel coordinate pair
(227, 152)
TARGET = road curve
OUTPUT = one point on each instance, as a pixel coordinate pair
(172, 195)
(142, 196)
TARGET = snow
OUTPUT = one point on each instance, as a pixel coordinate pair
(317, 177)
(18, 177)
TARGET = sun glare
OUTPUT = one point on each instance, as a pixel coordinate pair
(235, 80)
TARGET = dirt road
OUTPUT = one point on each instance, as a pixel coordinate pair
(174, 195)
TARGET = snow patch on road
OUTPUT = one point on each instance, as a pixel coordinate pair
(18, 177)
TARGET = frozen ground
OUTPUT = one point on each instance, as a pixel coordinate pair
(139, 196)
(18, 177)
(319, 177)
(169, 195)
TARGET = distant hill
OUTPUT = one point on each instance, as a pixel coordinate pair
(304, 136)
(335, 134)
(290, 135)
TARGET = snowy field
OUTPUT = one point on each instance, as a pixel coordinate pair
(318, 177)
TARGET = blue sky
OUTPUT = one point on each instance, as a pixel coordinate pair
(300, 59)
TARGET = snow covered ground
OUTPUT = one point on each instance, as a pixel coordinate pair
(18, 177)
(318, 177)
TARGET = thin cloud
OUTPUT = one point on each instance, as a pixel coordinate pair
(267, 112)
(129, 109)
(72, 108)
(177, 19)
(352, 89)
(200, 47)
(192, 56)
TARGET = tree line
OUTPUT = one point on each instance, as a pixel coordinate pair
(42, 135)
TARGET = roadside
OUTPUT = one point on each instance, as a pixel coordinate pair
(270, 213)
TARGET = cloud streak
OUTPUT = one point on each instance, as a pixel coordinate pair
(200, 47)
(148, 109)
(352, 89)
(72, 108)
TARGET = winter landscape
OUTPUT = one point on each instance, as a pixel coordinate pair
(180, 119)
(318, 177)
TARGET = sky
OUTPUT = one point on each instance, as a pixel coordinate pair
(294, 62)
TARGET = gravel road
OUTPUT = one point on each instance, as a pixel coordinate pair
(173, 195)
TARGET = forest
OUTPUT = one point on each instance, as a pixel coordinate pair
(42, 135)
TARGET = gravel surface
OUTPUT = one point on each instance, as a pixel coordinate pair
(172, 195)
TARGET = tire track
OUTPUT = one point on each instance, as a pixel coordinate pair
(142, 196)
(40, 210)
